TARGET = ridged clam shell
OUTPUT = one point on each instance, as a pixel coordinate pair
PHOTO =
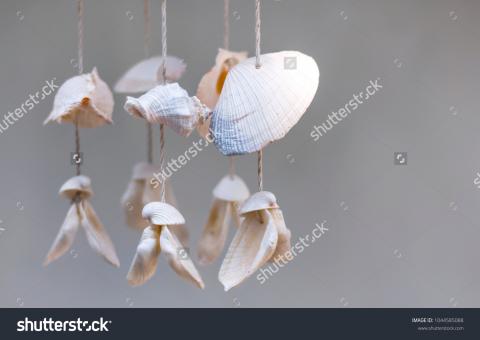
(259, 201)
(259, 106)
(144, 75)
(84, 98)
(170, 105)
(159, 213)
(72, 186)
(231, 188)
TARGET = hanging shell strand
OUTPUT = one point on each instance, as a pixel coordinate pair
(262, 237)
(78, 190)
(157, 238)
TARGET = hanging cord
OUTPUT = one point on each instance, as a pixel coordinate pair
(226, 24)
(258, 65)
(146, 48)
(164, 80)
(80, 71)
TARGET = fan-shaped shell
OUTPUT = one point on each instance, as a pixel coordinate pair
(261, 200)
(85, 99)
(144, 75)
(170, 105)
(231, 188)
(160, 213)
(77, 184)
(259, 106)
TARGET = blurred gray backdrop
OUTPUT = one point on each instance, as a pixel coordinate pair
(399, 235)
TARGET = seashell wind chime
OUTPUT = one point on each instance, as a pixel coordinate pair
(260, 102)
(169, 105)
(85, 101)
(140, 78)
(231, 191)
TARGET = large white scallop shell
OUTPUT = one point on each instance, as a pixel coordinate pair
(144, 75)
(170, 105)
(85, 99)
(160, 213)
(259, 106)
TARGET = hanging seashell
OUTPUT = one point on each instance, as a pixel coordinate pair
(261, 237)
(211, 84)
(81, 213)
(260, 106)
(142, 190)
(85, 99)
(170, 105)
(157, 238)
(229, 193)
(145, 75)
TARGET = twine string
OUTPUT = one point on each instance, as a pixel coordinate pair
(164, 80)
(226, 24)
(258, 65)
(80, 71)
(146, 48)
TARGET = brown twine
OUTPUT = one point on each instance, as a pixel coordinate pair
(226, 24)
(164, 60)
(146, 47)
(80, 71)
(258, 65)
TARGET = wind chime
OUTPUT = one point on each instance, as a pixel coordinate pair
(231, 191)
(140, 78)
(166, 104)
(261, 100)
(85, 101)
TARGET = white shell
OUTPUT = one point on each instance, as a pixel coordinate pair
(170, 105)
(231, 188)
(84, 98)
(259, 201)
(259, 106)
(159, 213)
(144, 76)
(76, 184)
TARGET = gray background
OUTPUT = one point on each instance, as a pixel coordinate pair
(400, 236)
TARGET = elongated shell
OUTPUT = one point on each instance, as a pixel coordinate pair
(170, 105)
(85, 99)
(259, 106)
(144, 75)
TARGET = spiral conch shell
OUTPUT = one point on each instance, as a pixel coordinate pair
(262, 236)
(229, 193)
(258, 106)
(145, 75)
(211, 84)
(78, 190)
(157, 238)
(85, 99)
(141, 191)
(171, 105)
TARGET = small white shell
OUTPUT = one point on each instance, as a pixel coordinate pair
(259, 106)
(144, 76)
(170, 105)
(231, 188)
(261, 200)
(85, 99)
(77, 184)
(159, 213)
